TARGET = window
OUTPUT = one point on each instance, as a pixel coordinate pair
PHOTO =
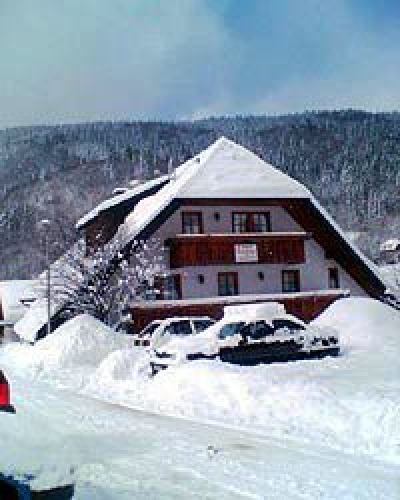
(192, 223)
(239, 223)
(261, 223)
(250, 222)
(260, 330)
(291, 280)
(291, 326)
(169, 287)
(180, 328)
(202, 324)
(333, 277)
(228, 284)
(230, 329)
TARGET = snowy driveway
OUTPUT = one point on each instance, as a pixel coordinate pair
(308, 430)
(121, 453)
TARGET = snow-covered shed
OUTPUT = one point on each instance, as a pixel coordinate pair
(390, 251)
(235, 226)
(15, 298)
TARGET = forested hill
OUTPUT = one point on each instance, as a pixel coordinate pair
(349, 159)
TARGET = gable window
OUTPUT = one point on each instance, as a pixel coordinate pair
(251, 222)
(228, 284)
(291, 280)
(333, 277)
(192, 223)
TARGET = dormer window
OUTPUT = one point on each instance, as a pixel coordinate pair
(192, 223)
(251, 222)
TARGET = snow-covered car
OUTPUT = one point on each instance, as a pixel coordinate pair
(247, 335)
(160, 331)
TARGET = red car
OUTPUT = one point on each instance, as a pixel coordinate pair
(5, 402)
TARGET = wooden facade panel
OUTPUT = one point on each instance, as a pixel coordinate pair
(305, 308)
(217, 250)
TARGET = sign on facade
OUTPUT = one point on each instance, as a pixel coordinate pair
(246, 252)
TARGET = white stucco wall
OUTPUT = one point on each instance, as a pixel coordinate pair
(313, 273)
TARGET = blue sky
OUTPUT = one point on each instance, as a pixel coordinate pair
(82, 60)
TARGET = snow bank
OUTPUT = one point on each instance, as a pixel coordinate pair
(33, 320)
(350, 403)
(365, 325)
(391, 276)
(82, 342)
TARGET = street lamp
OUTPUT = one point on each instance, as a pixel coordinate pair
(44, 225)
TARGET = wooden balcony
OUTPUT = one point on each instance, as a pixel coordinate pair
(237, 248)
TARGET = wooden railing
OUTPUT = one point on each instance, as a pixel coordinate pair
(225, 249)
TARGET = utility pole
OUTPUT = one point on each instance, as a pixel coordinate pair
(44, 224)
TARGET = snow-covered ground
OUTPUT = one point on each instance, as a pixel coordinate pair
(391, 275)
(312, 429)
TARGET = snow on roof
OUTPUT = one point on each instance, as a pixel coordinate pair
(33, 320)
(390, 245)
(223, 170)
(119, 198)
(12, 295)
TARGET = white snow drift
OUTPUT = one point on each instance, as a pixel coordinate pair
(350, 403)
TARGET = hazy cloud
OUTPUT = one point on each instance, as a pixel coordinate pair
(79, 60)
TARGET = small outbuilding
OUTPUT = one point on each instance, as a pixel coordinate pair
(390, 251)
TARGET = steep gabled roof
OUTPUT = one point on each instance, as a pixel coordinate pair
(224, 170)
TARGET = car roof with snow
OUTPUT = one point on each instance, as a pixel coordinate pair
(168, 321)
(245, 313)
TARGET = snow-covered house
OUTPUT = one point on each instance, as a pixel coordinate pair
(15, 297)
(236, 229)
(390, 251)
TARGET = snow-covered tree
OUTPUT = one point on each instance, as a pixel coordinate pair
(104, 282)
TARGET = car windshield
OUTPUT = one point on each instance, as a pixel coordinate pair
(230, 329)
(202, 324)
(178, 328)
(259, 330)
